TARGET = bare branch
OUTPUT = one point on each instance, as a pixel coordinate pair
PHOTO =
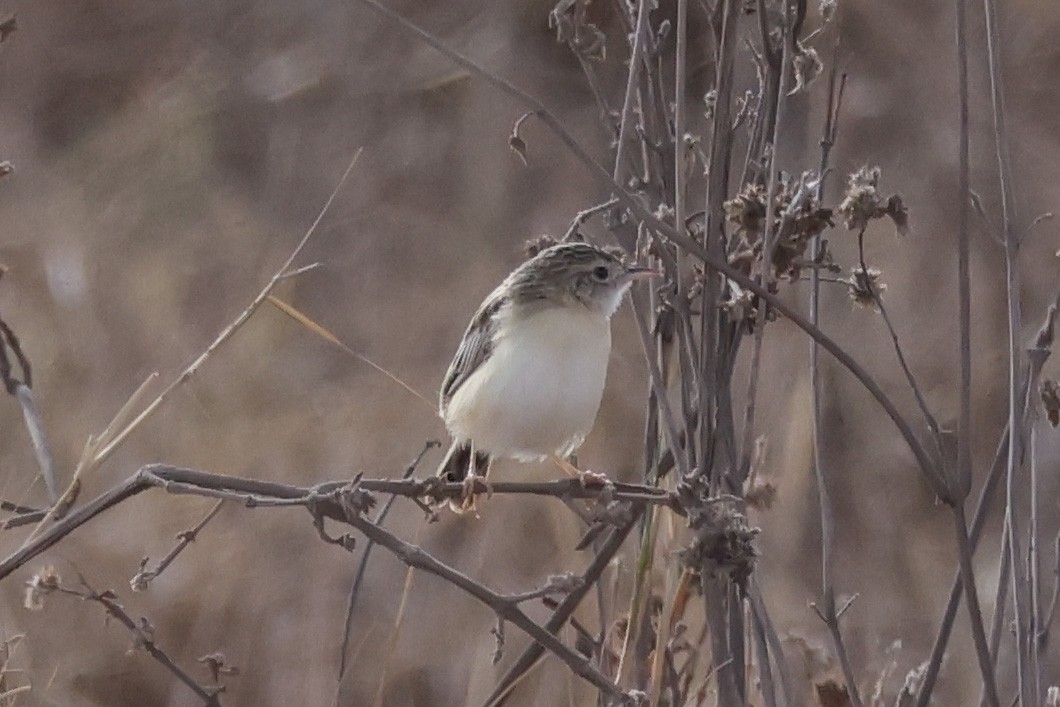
(144, 576)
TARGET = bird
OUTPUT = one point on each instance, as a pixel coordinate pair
(528, 376)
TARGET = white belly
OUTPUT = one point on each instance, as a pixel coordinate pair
(540, 389)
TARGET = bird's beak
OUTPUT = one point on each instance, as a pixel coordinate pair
(638, 272)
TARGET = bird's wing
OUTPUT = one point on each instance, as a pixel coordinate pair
(475, 347)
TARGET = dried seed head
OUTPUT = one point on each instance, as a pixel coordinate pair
(863, 202)
(828, 9)
(722, 543)
(761, 495)
(1050, 392)
(748, 208)
(807, 67)
(710, 100)
(797, 217)
(44, 582)
(864, 286)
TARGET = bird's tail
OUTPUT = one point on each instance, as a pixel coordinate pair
(458, 461)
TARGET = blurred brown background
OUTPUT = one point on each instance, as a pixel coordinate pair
(169, 155)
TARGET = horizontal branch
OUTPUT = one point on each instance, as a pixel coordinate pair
(345, 502)
(321, 499)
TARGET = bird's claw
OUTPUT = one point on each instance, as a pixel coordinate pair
(471, 490)
(591, 478)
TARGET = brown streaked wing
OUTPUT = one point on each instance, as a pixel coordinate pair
(474, 348)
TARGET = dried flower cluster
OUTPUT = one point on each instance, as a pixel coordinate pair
(864, 286)
(584, 38)
(722, 542)
(863, 202)
(1050, 391)
(44, 582)
(797, 218)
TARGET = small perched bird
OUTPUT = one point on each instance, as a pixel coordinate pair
(527, 378)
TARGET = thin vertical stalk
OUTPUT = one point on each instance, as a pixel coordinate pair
(963, 479)
(971, 598)
(827, 607)
(1012, 289)
(1033, 570)
(768, 240)
(626, 120)
(1000, 599)
(714, 234)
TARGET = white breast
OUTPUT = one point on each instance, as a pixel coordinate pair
(539, 391)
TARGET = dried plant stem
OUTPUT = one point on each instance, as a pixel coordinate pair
(362, 568)
(184, 539)
(964, 554)
(680, 150)
(963, 480)
(380, 693)
(718, 165)
(769, 238)
(144, 639)
(1020, 589)
(826, 608)
(762, 619)
(921, 401)
(332, 501)
(39, 439)
(608, 549)
(233, 327)
(1033, 571)
(626, 117)
(997, 625)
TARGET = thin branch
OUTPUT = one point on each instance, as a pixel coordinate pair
(236, 324)
(267, 494)
(971, 597)
(827, 612)
(564, 611)
(1050, 614)
(626, 119)
(1012, 288)
(145, 576)
(718, 165)
(143, 637)
(762, 619)
(997, 624)
(417, 558)
(362, 567)
(582, 216)
(345, 502)
(769, 240)
(963, 479)
(921, 401)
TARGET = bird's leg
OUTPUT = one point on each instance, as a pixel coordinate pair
(586, 478)
(468, 495)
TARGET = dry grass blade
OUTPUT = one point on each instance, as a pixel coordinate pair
(236, 324)
(89, 458)
(323, 333)
(380, 695)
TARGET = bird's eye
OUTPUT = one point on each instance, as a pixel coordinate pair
(601, 273)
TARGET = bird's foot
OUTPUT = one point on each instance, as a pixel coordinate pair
(592, 478)
(473, 488)
(584, 477)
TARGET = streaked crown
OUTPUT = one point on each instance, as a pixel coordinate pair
(572, 273)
